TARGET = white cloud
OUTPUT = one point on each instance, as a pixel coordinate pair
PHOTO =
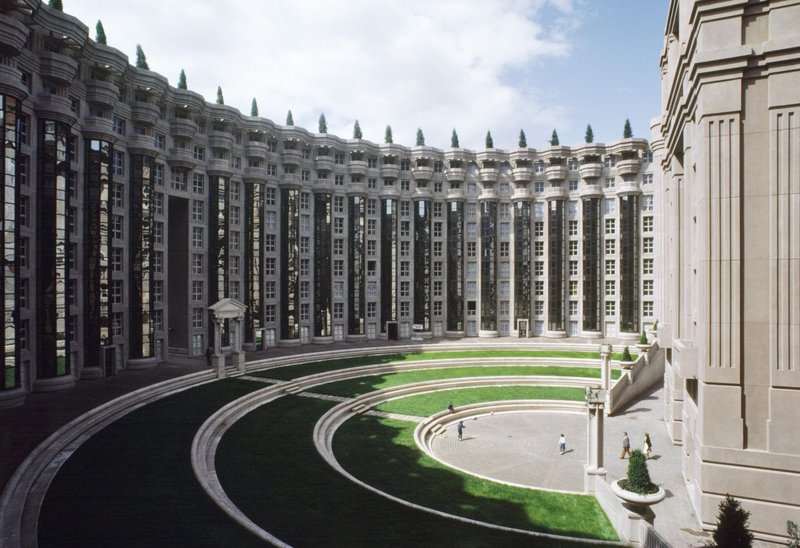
(436, 65)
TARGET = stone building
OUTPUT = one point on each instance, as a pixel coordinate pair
(131, 206)
(729, 141)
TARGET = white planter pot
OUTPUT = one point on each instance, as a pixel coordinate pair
(635, 498)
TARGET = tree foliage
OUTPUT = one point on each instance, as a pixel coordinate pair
(56, 5)
(387, 136)
(489, 140)
(454, 139)
(554, 139)
(289, 118)
(99, 33)
(794, 534)
(627, 133)
(638, 480)
(357, 131)
(254, 107)
(589, 136)
(220, 98)
(182, 80)
(732, 527)
(523, 141)
(141, 60)
(643, 338)
(323, 124)
(420, 138)
(626, 355)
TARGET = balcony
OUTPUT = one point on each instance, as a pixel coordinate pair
(629, 167)
(219, 166)
(141, 144)
(591, 171)
(289, 179)
(455, 174)
(557, 172)
(628, 187)
(487, 194)
(422, 173)
(357, 167)
(220, 139)
(489, 174)
(591, 191)
(145, 113)
(323, 185)
(422, 193)
(390, 171)
(12, 79)
(55, 106)
(13, 35)
(522, 173)
(455, 194)
(291, 157)
(54, 66)
(357, 189)
(183, 127)
(181, 157)
(324, 163)
(99, 128)
(102, 93)
(557, 192)
(256, 149)
(255, 173)
(523, 193)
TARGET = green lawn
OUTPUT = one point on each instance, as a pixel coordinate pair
(132, 483)
(270, 469)
(301, 370)
(423, 405)
(363, 385)
(408, 473)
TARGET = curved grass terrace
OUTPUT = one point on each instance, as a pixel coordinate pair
(363, 385)
(423, 405)
(132, 483)
(290, 372)
(412, 475)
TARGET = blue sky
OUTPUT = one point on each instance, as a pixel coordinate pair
(472, 65)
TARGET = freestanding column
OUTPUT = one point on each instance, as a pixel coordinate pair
(605, 365)
(595, 404)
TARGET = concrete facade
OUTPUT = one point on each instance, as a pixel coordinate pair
(729, 145)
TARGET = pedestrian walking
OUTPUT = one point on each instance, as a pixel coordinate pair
(460, 427)
(450, 407)
(648, 446)
(209, 353)
(626, 446)
(562, 444)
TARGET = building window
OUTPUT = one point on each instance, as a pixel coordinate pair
(647, 308)
(197, 317)
(647, 224)
(538, 287)
(647, 245)
(269, 266)
(611, 308)
(197, 263)
(197, 290)
(611, 288)
(611, 247)
(119, 163)
(647, 266)
(338, 311)
(198, 207)
(647, 287)
(197, 236)
(611, 267)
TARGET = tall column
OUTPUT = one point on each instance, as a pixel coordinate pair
(356, 286)
(488, 262)
(322, 266)
(595, 404)
(556, 281)
(422, 264)
(455, 267)
(389, 216)
(522, 262)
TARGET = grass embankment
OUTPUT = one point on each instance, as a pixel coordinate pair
(363, 385)
(311, 368)
(423, 405)
(269, 467)
(132, 483)
(411, 475)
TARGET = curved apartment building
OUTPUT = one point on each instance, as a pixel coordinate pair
(131, 206)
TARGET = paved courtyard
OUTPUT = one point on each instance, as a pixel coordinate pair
(522, 448)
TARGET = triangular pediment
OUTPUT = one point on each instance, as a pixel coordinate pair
(228, 308)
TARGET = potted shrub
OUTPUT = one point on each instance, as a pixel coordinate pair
(627, 360)
(643, 344)
(637, 489)
(654, 329)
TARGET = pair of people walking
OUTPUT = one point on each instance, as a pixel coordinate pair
(647, 446)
